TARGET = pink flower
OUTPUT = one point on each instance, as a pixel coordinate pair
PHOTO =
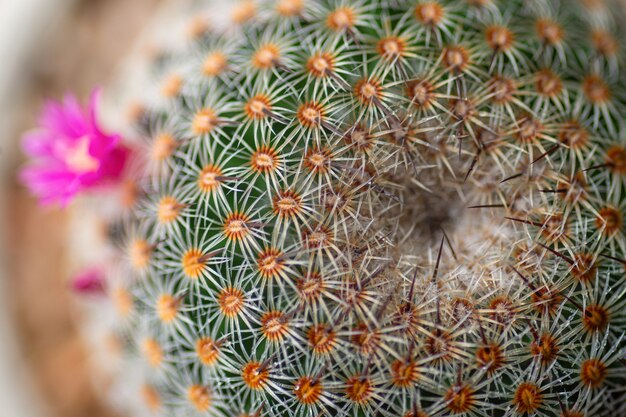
(70, 153)
(90, 281)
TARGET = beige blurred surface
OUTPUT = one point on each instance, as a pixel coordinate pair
(76, 50)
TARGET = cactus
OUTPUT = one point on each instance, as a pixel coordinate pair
(381, 208)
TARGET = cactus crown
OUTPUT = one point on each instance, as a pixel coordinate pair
(394, 208)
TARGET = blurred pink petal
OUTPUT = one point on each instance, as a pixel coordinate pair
(70, 153)
(90, 281)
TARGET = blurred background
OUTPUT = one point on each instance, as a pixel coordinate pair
(47, 48)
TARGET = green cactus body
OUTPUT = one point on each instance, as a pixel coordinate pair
(383, 208)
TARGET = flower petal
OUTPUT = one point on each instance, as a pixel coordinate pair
(70, 153)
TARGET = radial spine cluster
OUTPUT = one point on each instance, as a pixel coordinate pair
(380, 208)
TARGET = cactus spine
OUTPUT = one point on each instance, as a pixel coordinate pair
(394, 208)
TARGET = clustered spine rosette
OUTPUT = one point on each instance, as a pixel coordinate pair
(382, 208)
